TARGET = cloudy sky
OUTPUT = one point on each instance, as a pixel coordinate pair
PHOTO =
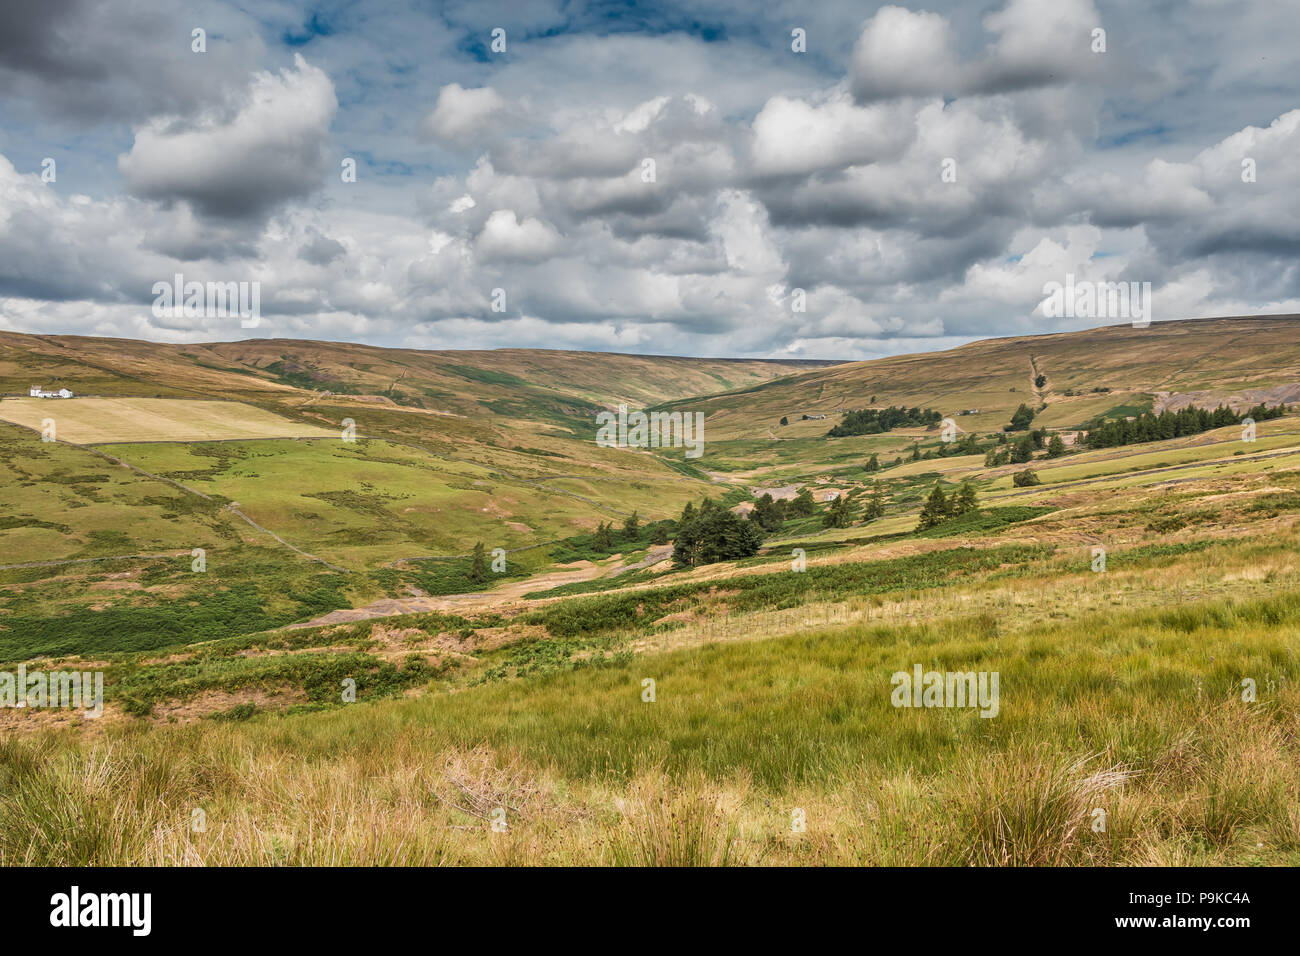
(640, 177)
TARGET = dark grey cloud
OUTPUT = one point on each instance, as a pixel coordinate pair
(79, 62)
(322, 250)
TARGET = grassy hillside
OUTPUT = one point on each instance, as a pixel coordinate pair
(1114, 370)
(1111, 700)
(462, 382)
(523, 690)
(453, 447)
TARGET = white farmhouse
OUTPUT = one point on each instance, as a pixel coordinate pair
(41, 393)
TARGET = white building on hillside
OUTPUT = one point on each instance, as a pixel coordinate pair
(40, 393)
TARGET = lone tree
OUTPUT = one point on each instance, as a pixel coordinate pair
(785, 420)
(935, 510)
(632, 527)
(1055, 447)
(1040, 381)
(873, 463)
(876, 503)
(604, 540)
(478, 564)
(1021, 419)
(716, 535)
(1026, 478)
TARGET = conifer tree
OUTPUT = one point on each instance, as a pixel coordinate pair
(876, 503)
(478, 565)
(935, 510)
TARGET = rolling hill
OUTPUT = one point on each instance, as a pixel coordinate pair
(1112, 370)
(459, 382)
(210, 538)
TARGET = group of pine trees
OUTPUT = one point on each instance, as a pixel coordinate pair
(1022, 449)
(606, 536)
(843, 511)
(714, 533)
(873, 421)
(968, 444)
(770, 513)
(939, 507)
(1187, 421)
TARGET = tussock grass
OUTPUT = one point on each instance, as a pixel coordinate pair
(1137, 713)
(686, 825)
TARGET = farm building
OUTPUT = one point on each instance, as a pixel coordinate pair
(41, 393)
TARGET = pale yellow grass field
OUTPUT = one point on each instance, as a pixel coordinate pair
(94, 420)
